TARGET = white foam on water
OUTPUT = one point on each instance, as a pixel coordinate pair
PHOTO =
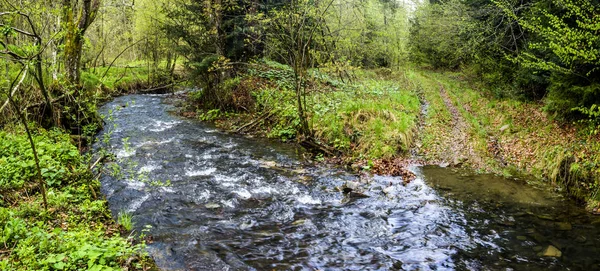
(307, 199)
(230, 145)
(228, 203)
(225, 181)
(167, 189)
(294, 190)
(206, 172)
(204, 195)
(137, 203)
(226, 184)
(135, 184)
(122, 153)
(152, 143)
(160, 126)
(243, 193)
(265, 190)
(149, 168)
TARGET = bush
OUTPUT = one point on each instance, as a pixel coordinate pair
(566, 94)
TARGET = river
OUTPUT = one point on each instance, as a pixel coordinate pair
(217, 201)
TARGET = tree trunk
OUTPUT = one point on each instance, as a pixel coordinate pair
(75, 31)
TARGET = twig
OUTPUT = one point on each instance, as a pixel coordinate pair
(100, 159)
(264, 116)
(119, 55)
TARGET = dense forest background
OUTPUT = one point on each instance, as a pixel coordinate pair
(536, 50)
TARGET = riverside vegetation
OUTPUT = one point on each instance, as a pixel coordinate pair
(501, 86)
(509, 87)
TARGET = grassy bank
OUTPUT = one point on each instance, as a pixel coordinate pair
(508, 137)
(76, 231)
(372, 118)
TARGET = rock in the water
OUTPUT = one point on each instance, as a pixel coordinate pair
(581, 239)
(268, 164)
(298, 222)
(352, 185)
(212, 206)
(521, 238)
(356, 195)
(564, 226)
(551, 251)
(300, 171)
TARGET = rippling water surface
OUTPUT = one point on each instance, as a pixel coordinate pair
(223, 202)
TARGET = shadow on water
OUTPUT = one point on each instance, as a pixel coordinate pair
(246, 204)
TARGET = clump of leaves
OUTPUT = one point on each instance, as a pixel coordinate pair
(58, 158)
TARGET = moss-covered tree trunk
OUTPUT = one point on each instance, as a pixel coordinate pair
(75, 27)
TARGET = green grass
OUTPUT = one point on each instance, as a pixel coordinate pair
(366, 118)
(116, 77)
(124, 220)
(370, 118)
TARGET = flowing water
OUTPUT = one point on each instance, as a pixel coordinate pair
(217, 201)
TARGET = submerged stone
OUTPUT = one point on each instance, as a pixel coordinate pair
(581, 239)
(551, 251)
(564, 226)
